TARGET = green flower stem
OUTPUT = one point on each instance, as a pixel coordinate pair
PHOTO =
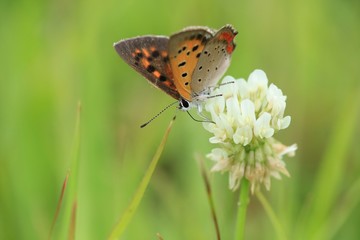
(243, 204)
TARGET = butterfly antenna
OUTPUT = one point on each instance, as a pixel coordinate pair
(145, 124)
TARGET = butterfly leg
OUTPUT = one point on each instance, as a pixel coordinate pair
(200, 113)
(223, 84)
(197, 120)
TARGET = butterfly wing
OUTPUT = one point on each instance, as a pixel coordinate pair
(185, 49)
(214, 60)
(148, 55)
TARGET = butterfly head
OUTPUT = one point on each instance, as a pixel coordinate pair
(196, 102)
(185, 105)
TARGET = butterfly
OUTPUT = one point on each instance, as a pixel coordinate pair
(186, 65)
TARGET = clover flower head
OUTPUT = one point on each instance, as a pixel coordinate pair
(245, 117)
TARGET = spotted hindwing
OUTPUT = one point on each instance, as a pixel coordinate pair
(185, 50)
(148, 55)
(214, 60)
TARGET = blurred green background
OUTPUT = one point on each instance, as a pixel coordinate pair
(56, 53)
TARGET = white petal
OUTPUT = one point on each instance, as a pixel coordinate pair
(276, 100)
(258, 78)
(217, 154)
(234, 176)
(290, 150)
(243, 90)
(285, 122)
(276, 175)
(228, 87)
(247, 112)
(243, 135)
(227, 123)
(275, 92)
(215, 105)
(278, 108)
(220, 156)
(262, 127)
(233, 108)
(209, 126)
(280, 123)
(216, 140)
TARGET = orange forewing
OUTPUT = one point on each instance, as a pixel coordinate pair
(184, 51)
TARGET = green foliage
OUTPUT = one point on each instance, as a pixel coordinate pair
(55, 53)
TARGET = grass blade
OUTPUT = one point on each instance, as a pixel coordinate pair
(209, 195)
(348, 204)
(272, 216)
(131, 209)
(67, 227)
(72, 222)
(58, 207)
(331, 169)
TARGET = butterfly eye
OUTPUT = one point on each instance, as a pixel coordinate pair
(184, 104)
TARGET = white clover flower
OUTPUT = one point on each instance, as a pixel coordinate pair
(245, 118)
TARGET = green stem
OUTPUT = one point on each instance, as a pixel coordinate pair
(243, 204)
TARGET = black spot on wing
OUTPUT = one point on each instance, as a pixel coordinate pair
(166, 59)
(195, 48)
(155, 54)
(162, 78)
(182, 64)
(150, 68)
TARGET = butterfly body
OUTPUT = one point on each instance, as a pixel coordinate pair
(185, 65)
